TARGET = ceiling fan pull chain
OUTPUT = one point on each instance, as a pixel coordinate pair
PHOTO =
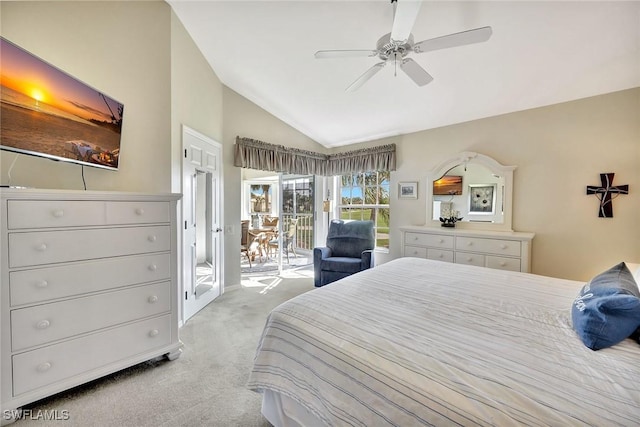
(396, 55)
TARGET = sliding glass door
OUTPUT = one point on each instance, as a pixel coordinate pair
(298, 203)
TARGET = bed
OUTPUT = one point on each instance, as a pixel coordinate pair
(419, 342)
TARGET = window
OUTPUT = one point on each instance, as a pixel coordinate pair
(297, 196)
(365, 196)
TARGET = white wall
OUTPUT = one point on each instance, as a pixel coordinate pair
(120, 48)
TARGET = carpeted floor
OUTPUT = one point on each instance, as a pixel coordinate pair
(302, 258)
(204, 387)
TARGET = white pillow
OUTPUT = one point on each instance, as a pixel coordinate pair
(635, 271)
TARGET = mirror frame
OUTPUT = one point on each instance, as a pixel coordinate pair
(467, 157)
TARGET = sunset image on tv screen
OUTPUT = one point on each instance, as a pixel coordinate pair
(47, 112)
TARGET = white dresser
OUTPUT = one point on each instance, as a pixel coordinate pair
(494, 249)
(89, 287)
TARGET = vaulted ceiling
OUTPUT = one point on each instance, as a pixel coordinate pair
(540, 53)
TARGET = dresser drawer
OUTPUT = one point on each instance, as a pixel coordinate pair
(43, 284)
(137, 212)
(46, 247)
(501, 263)
(54, 213)
(490, 246)
(415, 251)
(440, 255)
(61, 361)
(432, 240)
(49, 322)
(470, 259)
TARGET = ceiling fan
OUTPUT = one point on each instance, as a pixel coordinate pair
(398, 44)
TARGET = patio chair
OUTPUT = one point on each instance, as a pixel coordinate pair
(288, 239)
(250, 243)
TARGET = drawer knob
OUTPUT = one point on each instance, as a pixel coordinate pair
(503, 246)
(58, 213)
(441, 240)
(139, 211)
(43, 324)
(469, 243)
(503, 264)
(415, 238)
(42, 284)
(153, 267)
(154, 333)
(151, 238)
(43, 367)
(441, 256)
(469, 259)
(42, 247)
(153, 299)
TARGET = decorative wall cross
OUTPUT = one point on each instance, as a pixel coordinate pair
(605, 192)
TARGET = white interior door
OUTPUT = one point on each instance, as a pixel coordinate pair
(202, 221)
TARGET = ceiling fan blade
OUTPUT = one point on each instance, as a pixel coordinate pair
(453, 40)
(415, 72)
(365, 76)
(322, 54)
(405, 14)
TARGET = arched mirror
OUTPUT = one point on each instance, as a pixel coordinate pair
(473, 187)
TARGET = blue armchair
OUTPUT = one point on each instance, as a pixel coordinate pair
(349, 250)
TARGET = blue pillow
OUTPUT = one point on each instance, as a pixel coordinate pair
(618, 276)
(607, 310)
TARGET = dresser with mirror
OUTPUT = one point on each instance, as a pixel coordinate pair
(477, 191)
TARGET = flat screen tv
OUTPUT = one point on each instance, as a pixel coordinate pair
(46, 112)
(448, 185)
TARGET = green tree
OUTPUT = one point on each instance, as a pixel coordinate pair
(375, 187)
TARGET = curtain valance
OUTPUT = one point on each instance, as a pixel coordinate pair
(380, 158)
(253, 154)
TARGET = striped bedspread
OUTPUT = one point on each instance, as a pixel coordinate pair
(418, 342)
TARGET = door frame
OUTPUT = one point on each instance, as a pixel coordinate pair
(187, 191)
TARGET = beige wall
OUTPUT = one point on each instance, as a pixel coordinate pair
(196, 102)
(196, 95)
(558, 151)
(200, 101)
(120, 48)
(244, 118)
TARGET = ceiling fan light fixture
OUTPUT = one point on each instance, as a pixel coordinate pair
(387, 48)
(396, 45)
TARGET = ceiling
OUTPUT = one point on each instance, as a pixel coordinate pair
(540, 53)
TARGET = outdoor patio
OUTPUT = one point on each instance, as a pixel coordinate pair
(302, 258)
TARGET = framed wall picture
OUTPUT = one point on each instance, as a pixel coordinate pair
(408, 190)
(482, 199)
(261, 196)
